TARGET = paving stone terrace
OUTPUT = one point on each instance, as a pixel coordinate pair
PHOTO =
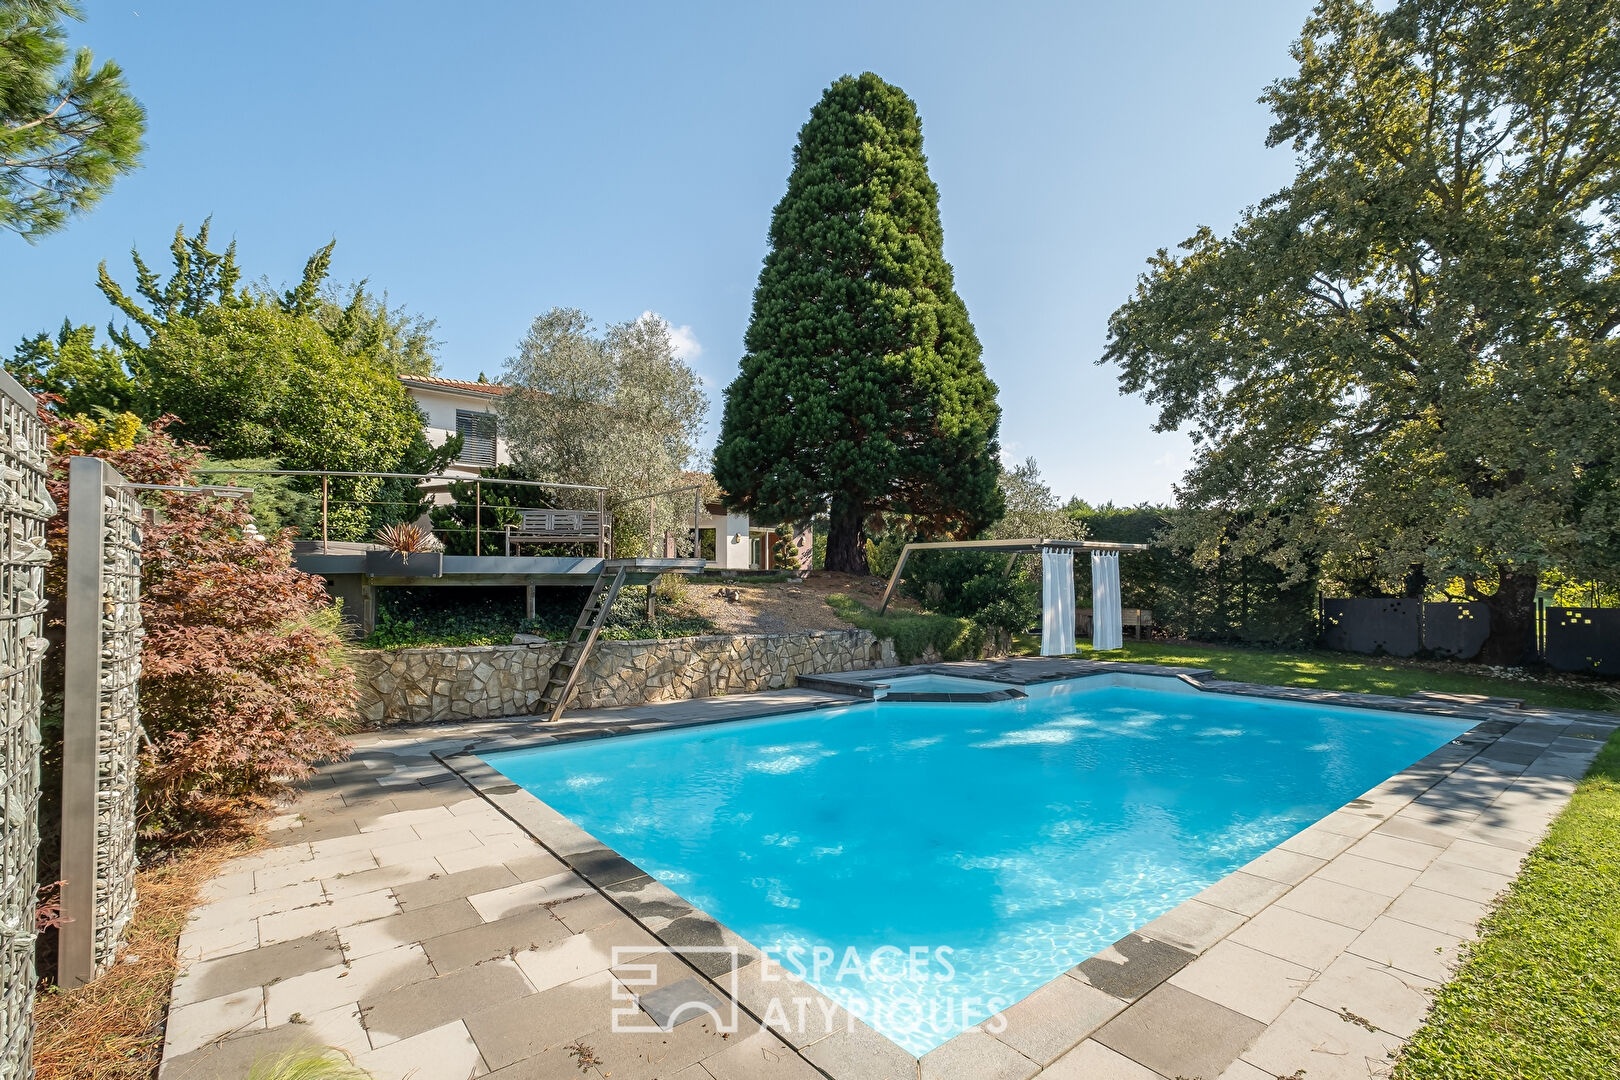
(404, 912)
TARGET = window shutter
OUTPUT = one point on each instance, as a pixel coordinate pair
(477, 431)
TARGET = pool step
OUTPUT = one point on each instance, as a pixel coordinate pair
(565, 672)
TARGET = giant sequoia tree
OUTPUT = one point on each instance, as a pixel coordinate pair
(861, 392)
(1405, 364)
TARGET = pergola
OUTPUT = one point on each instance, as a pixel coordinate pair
(1057, 583)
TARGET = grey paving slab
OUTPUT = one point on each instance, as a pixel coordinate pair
(236, 1057)
(1177, 1033)
(1132, 966)
(417, 924)
(1343, 904)
(1091, 1060)
(1295, 936)
(654, 1054)
(1466, 882)
(446, 1051)
(1431, 954)
(1193, 925)
(586, 912)
(430, 1003)
(1321, 1044)
(542, 1022)
(1053, 1019)
(1394, 1000)
(861, 1054)
(238, 971)
(760, 1056)
(1439, 911)
(534, 929)
(1244, 893)
(1245, 980)
(681, 1002)
(436, 888)
(1371, 875)
(976, 1054)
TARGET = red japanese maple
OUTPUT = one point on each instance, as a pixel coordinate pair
(244, 685)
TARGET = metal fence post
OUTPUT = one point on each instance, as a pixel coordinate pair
(478, 517)
(100, 719)
(323, 514)
(76, 946)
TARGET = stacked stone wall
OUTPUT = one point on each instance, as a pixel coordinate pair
(414, 686)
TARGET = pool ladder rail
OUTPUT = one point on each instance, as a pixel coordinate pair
(565, 672)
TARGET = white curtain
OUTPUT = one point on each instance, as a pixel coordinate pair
(1057, 602)
(1107, 620)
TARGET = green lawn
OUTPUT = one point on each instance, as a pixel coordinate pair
(1538, 997)
(1344, 671)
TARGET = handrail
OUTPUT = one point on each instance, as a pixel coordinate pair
(477, 482)
(403, 476)
(652, 525)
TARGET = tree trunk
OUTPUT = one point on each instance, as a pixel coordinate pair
(846, 547)
(1513, 620)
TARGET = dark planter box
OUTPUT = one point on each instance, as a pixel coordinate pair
(395, 564)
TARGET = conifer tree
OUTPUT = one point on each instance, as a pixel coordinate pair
(862, 392)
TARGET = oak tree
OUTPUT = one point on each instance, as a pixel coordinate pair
(1404, 364)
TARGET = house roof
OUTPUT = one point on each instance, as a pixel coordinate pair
(454, 386)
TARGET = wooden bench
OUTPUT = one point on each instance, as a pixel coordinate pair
(1140, 618)
(561, 527)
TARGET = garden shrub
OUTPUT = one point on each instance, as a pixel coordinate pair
(913, 634)
(975, 585)
(244, 683)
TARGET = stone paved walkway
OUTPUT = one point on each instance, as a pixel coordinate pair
(400, 916)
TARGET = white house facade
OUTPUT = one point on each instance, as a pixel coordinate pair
(457, 407)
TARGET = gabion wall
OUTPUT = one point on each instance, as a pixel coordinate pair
(118, 735)
(25, 506)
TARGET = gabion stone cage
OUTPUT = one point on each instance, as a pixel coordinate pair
(25, 506)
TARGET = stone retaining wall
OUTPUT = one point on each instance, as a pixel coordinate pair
(413, 686)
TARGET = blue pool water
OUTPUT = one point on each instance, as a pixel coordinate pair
(1019, 837)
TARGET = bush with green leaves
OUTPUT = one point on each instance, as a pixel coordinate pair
(915, 635)
(976, 585)
(475, 520)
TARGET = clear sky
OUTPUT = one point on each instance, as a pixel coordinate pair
(485, 162)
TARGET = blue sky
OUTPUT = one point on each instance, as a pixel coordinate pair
(486, 162)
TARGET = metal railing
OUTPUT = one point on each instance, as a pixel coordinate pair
(429, 484)
(425, 486)
(652, 517)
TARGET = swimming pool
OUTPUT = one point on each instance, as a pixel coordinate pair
(1007, 841)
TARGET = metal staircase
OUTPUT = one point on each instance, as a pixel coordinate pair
(565, 672)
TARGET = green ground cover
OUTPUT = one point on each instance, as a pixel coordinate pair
(1538, 996)
(444, 618)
